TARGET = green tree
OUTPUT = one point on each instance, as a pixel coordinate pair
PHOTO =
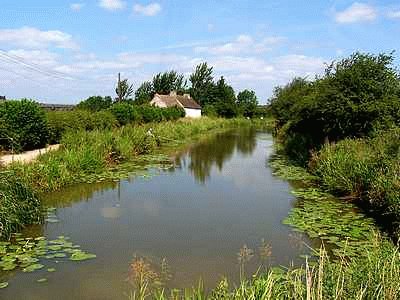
(124, 90)
(144, 94)
(225, 103)
(202, 84)
(164, 83)
(95, 103)
(247, 102)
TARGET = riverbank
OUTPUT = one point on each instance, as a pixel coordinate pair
(90, 156)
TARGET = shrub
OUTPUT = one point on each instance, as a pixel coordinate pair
(95, 103)
(60, 122)
(125, 113)
(23, 125)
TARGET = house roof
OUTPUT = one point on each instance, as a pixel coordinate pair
(177, 100)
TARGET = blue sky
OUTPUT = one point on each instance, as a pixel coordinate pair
(64, 51)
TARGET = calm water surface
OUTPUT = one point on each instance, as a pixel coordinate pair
(220, 195)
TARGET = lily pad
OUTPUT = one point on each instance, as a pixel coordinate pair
(80, 255)
(3, 285)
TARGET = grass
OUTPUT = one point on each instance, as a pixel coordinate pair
(372, 276)
(19, 205)
(365, 169)
(87, 154)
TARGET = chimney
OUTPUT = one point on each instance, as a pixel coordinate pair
(173, 93)
(186, 95)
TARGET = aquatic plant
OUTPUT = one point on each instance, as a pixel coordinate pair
(30, 254)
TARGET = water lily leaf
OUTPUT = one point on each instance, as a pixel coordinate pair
(33, 268)
(80, 255)
(41, 280)
(51, 270)
(3, 285)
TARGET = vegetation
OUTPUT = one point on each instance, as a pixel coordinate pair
(23, 125)
(372, 276)
(19, 205)
(343, 126)
(95, 103)
(355, 97)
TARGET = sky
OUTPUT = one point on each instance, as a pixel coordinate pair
(67, 50)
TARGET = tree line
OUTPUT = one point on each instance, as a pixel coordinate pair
(216, 97)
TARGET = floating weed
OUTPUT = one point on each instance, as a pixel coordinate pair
(27, 253)
(337, 223)
(3, 285)
(282, 168)
(79, 255)
(311, 194)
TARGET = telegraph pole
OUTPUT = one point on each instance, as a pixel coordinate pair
(119, 87)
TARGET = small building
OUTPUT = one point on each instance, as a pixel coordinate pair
(191, 107)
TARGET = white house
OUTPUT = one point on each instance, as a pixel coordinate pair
(191, 107)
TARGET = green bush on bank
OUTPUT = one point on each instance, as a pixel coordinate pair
(60, 122)
(368, 169)
(23, 125)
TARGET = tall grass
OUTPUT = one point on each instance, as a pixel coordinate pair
(367, 169)
(95, 152)
(373, 276)
(18, 205)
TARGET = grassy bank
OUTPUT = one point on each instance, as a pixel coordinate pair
(372, 276)
(366, 171)
(89, 156)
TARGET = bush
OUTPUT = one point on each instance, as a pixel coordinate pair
(95, 103)
(356, 96)
(125, 113)
(23, 125)
(60, 122)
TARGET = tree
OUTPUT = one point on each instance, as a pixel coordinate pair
(144, 93)
(95, 103)
(247, 102)
(225, 103)
(124, 90)
(202, 84)
(164, 83)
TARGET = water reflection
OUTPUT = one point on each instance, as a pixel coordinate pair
(215, 151)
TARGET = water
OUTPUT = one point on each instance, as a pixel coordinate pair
(220, 195)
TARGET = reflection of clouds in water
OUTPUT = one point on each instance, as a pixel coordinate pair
(111, 212)
(235, 170)
(151, 208)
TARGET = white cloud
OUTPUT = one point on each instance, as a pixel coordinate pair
(30, 37)
(395, 14)
(242, 44)
(357, 12)
(112, 4)
(77, 6)
(149, 10)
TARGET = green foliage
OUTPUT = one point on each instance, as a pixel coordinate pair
(125, 113)
(23, 125)
(354, 97)
(247, 102)
(368, 169)
(202, 84)
(19, 205)
(60, 122)
(144, 94)
(123, 90)
(164, 83)
(225, 99)
(95, 103)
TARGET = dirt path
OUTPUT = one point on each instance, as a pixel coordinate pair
(27, 156)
